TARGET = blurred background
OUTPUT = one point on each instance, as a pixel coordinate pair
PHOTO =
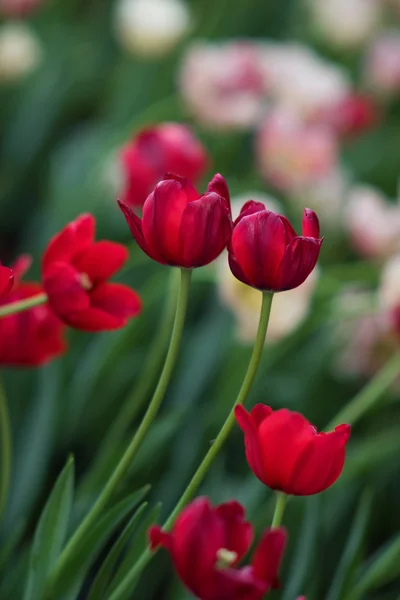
(296, 103)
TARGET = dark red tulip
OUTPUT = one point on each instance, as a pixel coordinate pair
(33, 337)
(266, 253)
(288, 454)
(181, 228)
(208, 542)
(6, 280)
(165, 148)
(76, 270)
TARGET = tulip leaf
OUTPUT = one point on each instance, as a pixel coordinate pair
(137, 547)
(381, 569)
(50, 532)
(344, 574)
(74, 571)
(104, 576)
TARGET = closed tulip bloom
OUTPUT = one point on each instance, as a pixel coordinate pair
(6, 280)
(166, 148)
(287, 453)
(207, 543)
(266, 253)
(181, 228)
(33, 337)
(76, 270)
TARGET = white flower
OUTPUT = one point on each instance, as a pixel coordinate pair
(373, 223)
(20, 51)
(389, 290)
(346, 23)
(150, 28)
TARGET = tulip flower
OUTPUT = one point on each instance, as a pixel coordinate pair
(166, 148)
(30, 338)
(266, 253)
(76, 270)
(208, 542)
(181, 228)
(6, 280)
(287, 453)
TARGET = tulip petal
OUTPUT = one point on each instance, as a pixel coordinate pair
(135, 225)
(258, 244)
(62, 284)
(310, 224)
(268, 555)
(101, 260)
(161, 221)
(158, 537)
(72, 240)
(206, 229)
(252, 442)
(299, 260)
(117, 300)
(20, 266)
(6, 280)
(238, 533)
(220, 187)
(249, 208)
(236, 584)
(93, 319)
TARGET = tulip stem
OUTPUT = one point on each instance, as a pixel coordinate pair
(5, 446)
(126, 584)
(126, 460)
(21, 305)
(369, 394)
(281, 500)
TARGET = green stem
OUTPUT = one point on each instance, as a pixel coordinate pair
(280, 506)
(5, 445)
(135, 400)
(138, 438)
(16, 307)
(199, 475)
(369, 394)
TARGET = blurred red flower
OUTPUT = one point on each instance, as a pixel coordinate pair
(266, 253)
(18, 8)
(75, 273)
(288, 454)
(352, 115)
(6, 280)
(208, 542)
(181, 228)
(32, 337)
(166, 148)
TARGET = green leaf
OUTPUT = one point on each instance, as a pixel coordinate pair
(72, 575)
(381, 569)
(344, 574)
(50, 533)
(104, 576)
(305, 551)
(137, 548)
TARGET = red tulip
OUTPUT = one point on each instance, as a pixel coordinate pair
(352, 115)
(287, 454)
(6, 280)
(181, 228)
(208, 542)
(18, 8)
(166, 148)
(33, 337)
(76, 270)
(266, 253)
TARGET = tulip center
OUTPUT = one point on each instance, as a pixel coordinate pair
(85, 282)
(226, 558)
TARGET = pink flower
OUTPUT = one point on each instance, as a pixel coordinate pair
(18, 8)
(382, 65)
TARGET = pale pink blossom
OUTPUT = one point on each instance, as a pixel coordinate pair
(389, 289)
(292, 154)
(382, 64)
(18, 8)
(373, 223)
(224, 85)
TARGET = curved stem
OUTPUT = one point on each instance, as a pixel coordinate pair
(15, 307)
(369, 394)
(139, 436)
(219, 441)
(5, 445)
(280, 506)
(135, 400)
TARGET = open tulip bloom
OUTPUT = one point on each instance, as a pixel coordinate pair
(180, 227)
(266, 253)
(206, 545)
(287, 453)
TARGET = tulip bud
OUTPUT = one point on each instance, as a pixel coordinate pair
(20, 51)
(151, 28)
